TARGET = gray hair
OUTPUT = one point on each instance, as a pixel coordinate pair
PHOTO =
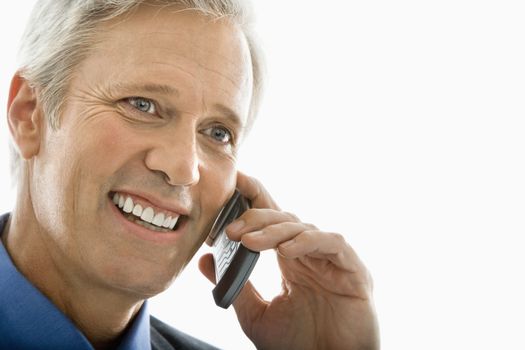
(59, 35)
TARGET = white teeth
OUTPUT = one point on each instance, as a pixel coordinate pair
(158, 219)
(137, 211)
(115, 198)
(147, 215)
(167, 222)
(128, 206)
(150, 226)
(173, 222)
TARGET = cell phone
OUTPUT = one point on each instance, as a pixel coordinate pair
(233, 261)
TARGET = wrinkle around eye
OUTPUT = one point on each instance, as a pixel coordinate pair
(226, 151)
(92, 114)
(218, 153)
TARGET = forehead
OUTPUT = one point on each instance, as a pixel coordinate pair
(198, 56)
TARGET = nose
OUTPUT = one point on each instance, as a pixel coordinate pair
(174, 155)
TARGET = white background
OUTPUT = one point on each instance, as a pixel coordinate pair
(401, 125)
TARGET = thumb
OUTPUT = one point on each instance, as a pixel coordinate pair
(207, 267)
(249, 307)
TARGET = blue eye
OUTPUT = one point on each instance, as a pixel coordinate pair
(142, 104)
(219, 134)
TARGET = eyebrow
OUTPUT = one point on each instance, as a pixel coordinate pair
(230, 114)
(151, 88)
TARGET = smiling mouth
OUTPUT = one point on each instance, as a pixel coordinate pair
(146, 217)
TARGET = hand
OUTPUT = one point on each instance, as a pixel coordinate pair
(326, 301)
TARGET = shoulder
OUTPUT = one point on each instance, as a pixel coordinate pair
(164, 337)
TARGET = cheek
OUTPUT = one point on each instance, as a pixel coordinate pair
(103, 140)
(111, 136)
(105, 146)
(92, 160)
(217, 183)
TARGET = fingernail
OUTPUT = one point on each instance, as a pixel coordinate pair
(235, 226)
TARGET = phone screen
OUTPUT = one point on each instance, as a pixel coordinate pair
(233, 261)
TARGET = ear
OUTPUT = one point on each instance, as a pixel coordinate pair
(24, 117)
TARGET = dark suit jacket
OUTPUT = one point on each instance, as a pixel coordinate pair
(164, 337)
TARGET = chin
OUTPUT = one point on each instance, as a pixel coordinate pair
(145, 281)
(144, 288)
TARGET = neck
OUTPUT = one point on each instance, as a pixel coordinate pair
(101, 314)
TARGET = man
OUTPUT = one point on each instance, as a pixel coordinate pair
(127, 117)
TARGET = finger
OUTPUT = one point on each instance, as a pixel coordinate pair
(257, 219)
(254, 191)
(272, 236)
(207, 267)
(317, 244)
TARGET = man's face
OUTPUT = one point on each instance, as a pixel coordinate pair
(150, 115)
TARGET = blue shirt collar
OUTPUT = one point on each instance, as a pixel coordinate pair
(29, 320)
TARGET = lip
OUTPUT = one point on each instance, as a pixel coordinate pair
(144, 233)
(155, 202)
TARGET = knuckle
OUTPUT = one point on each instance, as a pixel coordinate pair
(257, 185)
(366, 282)
(284, 226)
(292, 216)
(339, 238)
(307, 236)
(311, 226)
(255, 181)
(370, 279)
(269, 230)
